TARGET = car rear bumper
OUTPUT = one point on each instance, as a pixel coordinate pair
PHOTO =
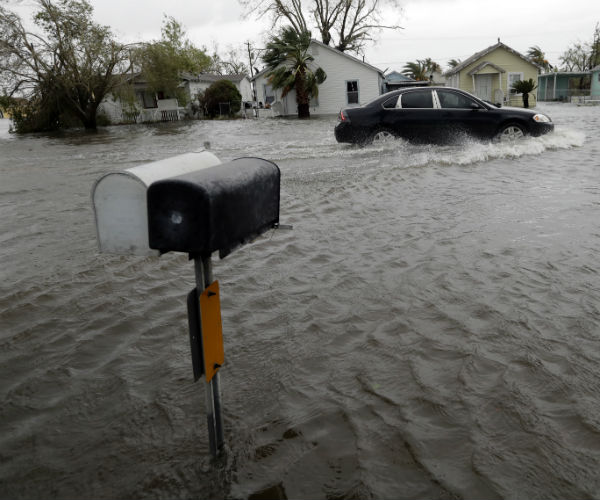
(344, 132)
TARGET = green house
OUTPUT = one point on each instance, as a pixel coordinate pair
(561, 85)
(595, 86)
(490, 74)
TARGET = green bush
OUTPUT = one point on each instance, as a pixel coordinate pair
(221, 98)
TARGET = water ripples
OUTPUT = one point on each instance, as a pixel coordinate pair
(428, 329)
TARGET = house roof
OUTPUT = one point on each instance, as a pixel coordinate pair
(321, 44)
(573, 74)
(479, 55)
(395, 76)
(596, 68)
(484, 64)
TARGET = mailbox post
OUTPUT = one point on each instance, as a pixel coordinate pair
(194, 204)
(214, 419)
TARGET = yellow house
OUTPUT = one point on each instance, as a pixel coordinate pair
(490, 74)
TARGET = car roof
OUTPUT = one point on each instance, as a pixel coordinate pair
(383, 97)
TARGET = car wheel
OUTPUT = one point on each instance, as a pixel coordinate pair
(380, 136)
(510, 132)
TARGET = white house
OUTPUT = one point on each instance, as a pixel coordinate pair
(147, 106)
(199, 83)
(350, 82)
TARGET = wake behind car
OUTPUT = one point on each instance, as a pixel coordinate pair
(436, 115)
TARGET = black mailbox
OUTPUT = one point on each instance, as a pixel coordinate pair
(217, 208)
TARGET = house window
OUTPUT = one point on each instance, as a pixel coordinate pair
(147, 99)
(512, 78)
(269, 94)
(352, 91)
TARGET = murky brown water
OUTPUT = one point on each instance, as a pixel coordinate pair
(429, 329)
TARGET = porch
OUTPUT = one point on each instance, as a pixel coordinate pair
(563, 86)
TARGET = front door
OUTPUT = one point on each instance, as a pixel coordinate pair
(483, 87)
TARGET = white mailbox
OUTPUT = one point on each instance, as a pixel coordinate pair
(120, 206)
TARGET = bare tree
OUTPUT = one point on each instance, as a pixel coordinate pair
(346, 24)
(582, 56)
(231, 63)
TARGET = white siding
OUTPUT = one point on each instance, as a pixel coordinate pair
(245, 89)
(243, 86)
(340, 69)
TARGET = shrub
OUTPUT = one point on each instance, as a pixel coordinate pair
(221, 98)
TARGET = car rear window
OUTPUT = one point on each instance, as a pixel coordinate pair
(391, 102)
(418, 99)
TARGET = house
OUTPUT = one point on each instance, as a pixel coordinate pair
(595, 86)
(138, 104)
(560, 85)
(350, 82)
(395, 81)
(489, 74)
(194, 84)
(144, 105)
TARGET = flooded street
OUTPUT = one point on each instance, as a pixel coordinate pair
(430, 328)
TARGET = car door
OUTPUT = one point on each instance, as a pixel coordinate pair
(414, 115)
(463, 115)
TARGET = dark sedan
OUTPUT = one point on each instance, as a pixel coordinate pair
(436, 115)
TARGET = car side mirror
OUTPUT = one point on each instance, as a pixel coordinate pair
(474, 106)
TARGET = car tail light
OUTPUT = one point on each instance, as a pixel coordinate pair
(344, 117)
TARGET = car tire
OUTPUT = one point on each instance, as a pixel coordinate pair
(510, 132)
(380, 136)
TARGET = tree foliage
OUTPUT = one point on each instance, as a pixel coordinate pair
(345, 24)
(421, 69)
(61, 71)
(220, 98)
(163, 62)
(524, 87)
(453, 63)
(537, 56)
(291, 67)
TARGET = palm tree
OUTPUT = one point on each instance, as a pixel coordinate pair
(537, 56)
(416, 70)
(431, 66)
(286, 55)
(453, 63)
(524, 87)
(422, 69)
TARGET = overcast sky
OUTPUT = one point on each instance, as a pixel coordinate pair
(439, 29)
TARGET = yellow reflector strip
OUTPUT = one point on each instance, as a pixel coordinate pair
(212, 330)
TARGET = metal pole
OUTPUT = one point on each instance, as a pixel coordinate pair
(203, 272)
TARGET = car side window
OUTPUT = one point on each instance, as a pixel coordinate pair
(417, 99)
(453, 100)
(391, 102)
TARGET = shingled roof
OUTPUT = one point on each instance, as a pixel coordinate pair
(483, 53)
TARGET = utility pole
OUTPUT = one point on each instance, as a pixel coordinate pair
(255, 102)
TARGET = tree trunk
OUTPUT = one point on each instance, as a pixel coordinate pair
(90, 122)
(303, 110)
(526, 100)
(302, 98)
(89, 117)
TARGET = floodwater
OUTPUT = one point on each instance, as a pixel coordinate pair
(430, 328)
